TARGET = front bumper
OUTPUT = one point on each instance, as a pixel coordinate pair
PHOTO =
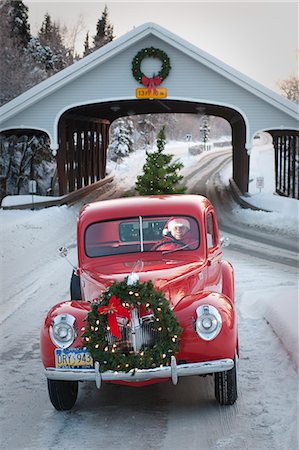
(173, 371)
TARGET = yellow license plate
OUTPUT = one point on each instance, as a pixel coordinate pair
(73, 358)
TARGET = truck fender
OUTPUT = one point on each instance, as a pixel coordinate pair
(228, 282)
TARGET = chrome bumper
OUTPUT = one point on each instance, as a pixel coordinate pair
(173, 371)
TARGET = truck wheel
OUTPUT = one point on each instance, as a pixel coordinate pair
(63, 394)
(75, 287)
(226, 386)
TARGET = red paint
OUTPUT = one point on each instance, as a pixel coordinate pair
(188, 278)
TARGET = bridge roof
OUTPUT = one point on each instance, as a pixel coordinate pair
(11, 113)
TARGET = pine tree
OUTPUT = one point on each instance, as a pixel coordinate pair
(20, 28)
(13, 54)
(205, 130)
(50, 39)
(160, 174)
(86, 45)
(104, 30)
(23, 158)
(47, 31)
(121, 139)
(43, 56)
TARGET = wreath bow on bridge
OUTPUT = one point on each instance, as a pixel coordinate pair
(151, 83)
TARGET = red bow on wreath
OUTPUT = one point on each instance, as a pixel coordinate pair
(113, 309)
(151, 83)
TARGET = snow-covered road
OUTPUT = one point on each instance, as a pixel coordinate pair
(161, 416)
(186, 416)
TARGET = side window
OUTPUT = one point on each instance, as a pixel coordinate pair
(211, 235)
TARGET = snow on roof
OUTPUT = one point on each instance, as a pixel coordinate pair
(120, 44)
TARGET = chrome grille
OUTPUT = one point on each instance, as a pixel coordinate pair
(145, 336)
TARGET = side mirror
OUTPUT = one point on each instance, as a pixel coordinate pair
(224, 242)
(63, 252)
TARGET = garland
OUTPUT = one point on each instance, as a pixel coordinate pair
(156, 80)
(102, 337)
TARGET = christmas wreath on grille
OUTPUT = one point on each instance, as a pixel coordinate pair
(156, 80)
(102, 334)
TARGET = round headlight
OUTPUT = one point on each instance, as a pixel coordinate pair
(208, 323)
(63, 331)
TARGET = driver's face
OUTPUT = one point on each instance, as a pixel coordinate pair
(178, 232)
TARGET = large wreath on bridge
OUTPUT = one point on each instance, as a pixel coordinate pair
(102, 335)
(156, 80)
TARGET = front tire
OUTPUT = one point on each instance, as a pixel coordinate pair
(63, 394)
(226, 386)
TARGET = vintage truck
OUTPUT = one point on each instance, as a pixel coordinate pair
(152, 300)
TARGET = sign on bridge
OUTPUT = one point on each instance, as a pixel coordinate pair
(146, 93)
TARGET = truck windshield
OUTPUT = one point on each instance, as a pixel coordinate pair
(142, 234)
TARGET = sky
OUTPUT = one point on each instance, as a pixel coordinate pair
(260, 39)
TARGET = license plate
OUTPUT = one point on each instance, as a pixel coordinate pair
(73, 358)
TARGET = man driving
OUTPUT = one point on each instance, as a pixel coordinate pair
(177, 235)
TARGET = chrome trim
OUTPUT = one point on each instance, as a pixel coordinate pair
(174, 371)
(98, 374)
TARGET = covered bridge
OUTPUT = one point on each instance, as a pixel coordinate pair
(151, 70)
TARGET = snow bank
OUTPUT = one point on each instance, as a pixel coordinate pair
(284, 212)
(279, 307)
(11, 200)
(282, 314)
(29, 243)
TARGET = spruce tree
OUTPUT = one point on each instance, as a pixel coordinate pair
(18, 69)
(121, 139)
(20, 28)
(86, 45)
(160, 174)
(50, 38)
(104, 30)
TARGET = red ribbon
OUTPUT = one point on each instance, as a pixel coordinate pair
(151, 83)
(113, 309)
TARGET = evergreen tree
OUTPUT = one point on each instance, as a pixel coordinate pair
(20, 28)
(104, 30)
(23, 158)
(160, 174)
(121, 139)
(87, 49)
(13, 55)
(49, 37)
(205, 130)
(43, 56)
(147, 124)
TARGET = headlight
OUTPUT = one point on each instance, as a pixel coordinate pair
(62, 330)
(208, 322)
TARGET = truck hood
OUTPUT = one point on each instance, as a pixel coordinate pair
(170, 275)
